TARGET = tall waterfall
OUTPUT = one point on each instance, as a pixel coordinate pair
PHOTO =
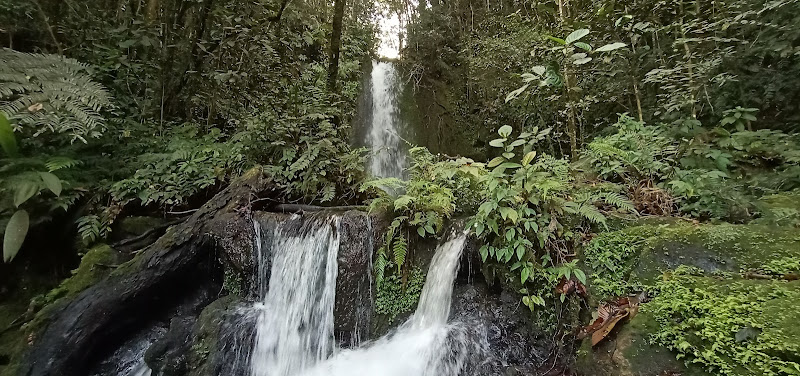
(388, 159)
(294, 324)
(426, 345)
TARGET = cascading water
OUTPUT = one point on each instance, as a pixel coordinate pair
(294, 323)
(388, 159)
(426, 345)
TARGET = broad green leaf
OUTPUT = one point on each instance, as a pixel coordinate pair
(16, 230)
(52, 182)
(540, 70)
(496, 162)
(508, 213)
(557, 40)
(524, 275)
(497, 143)
(421, 231)
(25, 191)
(508, 155)
(505, 131)
(7, 139)
(580, 275)
(526, 160)
(611, 47)
(576, 35)
(517, 143)
(582, 61)
(583, 46)
(514, 94)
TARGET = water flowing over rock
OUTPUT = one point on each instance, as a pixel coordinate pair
(294, 328)
(426, 344)
(389, 154)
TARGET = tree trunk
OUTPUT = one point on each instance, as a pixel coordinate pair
(336, 45)
(569, 79)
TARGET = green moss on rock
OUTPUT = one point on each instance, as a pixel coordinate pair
(206, 335)
(26, 305)
(636, 256)
(730, 326)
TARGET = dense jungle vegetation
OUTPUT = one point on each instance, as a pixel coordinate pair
(556, 130)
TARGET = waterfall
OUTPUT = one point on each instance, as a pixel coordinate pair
(294, 323)
(426, 345)
(388, 159)
(141, 369)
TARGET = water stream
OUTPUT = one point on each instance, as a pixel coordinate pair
(294, 324)
(426, 345)
(389, 152)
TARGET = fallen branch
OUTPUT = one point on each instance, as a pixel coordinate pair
(298, 208)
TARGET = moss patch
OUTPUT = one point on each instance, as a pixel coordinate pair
(33, 305)
(730, 326)
(206, 335)
(627, 259)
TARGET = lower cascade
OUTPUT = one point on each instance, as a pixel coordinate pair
(425, 344)
(294, 321)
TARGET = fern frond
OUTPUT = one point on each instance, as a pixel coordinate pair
(618, 200)
(51, 93)
(60, 163)
(400, 249)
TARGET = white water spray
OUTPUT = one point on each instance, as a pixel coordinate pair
(388, 159)
(294, 327)
(425, 345)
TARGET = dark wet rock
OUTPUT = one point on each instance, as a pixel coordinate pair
(353, 307)
(180, 262)
(169, 354)
(509, 343)
(233, 235)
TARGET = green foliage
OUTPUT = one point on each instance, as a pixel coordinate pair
(49, 93)
(193, 160)
(636, 152)
(15, 232)
(531, 214)
(610, 256)
(397, 295)
(731, 328)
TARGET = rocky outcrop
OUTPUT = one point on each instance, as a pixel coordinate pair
(722, 299)
(180, 262)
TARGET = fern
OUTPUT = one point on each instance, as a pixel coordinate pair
(51, 93)
(380, 265)
(400, 249)
(618, 200)
(60, 163)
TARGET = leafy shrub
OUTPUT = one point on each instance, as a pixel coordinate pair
(192, 161)
(422, 203)
(531, 216)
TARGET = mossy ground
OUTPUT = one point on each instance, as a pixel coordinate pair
(697, 315)
(32, 304)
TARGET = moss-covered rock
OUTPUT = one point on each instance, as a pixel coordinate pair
(730, 326)
(202, 360)
(628, 352)
(32, 306)
(704, 310)
(629, 258)
(137, 225)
